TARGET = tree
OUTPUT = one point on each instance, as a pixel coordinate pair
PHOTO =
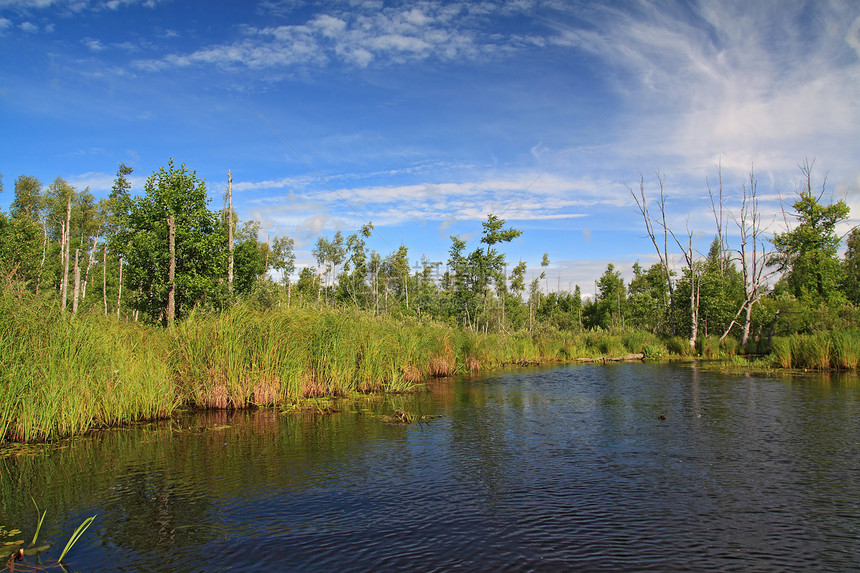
(329, 254)
(283, 258)
(646, 298)
(544, 263)
(199, 244)
(752, 255)
(807, 254)
(610, 305)
(115, 219)
(721, 291)
(29, 200)
(355, 268)
(851, 268)
(249, 257)
(663, 255)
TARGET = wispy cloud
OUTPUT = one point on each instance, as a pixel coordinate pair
(753, 81)
(356, 37)
(72, 5)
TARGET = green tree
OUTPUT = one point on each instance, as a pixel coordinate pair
(851, 268)
(609, 307)
(544, 264)
(200, 244)
(647, 296)
(283, 257)
(353, 279)
(721, 291)
(29, 199)
(20, 250)
(249, 257)
(807, 254)
(308, 283)
(118, 202)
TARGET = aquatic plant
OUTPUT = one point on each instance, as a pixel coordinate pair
(781, 352)
(846, 349)
(33, 549)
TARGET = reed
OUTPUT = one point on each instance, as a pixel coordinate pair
(812, 351)
(846, 349)
(65, 376)
(781, 352)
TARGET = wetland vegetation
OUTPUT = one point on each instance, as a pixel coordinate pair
(128, 308)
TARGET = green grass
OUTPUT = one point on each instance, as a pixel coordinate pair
(61, 376)
(64, 376)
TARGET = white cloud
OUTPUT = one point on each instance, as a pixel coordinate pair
(357, 37)
(93, 44)
(28, 27)
(758, 81)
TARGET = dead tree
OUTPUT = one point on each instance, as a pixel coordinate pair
(230, 230)
(690, 260)
(171, 272)
(753, 257)
(642, 206)
(66, 245)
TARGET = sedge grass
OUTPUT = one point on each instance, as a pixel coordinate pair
(68, 375)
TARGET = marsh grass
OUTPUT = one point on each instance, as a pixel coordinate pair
(846, 349)
(62, 377)
(65, 376)
(781, 352)
(811, 351)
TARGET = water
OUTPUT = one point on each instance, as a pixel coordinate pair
(546, 470)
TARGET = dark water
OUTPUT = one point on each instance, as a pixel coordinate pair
(561, 469)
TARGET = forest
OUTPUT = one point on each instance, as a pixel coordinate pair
(161, 283)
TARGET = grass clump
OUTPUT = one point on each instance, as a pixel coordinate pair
(63, 377)
(846, 349)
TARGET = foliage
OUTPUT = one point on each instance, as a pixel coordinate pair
(850, 282)
(200, 254)
(807, 253)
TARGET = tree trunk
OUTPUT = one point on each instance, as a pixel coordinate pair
(171, 273)
(90, 263)
(745, 337)
(66, 246)
(44, 254)
(119, 290)
(230, 230)
(694, 309)
(104, 277)
(77, 291)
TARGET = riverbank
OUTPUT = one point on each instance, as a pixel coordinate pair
(61, 377)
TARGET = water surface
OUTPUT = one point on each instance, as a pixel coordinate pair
(543, 469)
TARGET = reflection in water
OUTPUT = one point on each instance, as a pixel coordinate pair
(623, 466)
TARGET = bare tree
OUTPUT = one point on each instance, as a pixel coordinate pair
(230, 229)
(171, 273)
(65, 254)
(753, 256)
(642, 206)
(690, 260)
(719, 220)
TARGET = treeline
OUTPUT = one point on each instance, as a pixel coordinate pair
(158, 256)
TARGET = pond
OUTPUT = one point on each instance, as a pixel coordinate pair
(585, 467)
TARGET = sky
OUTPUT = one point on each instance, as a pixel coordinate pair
(424, 117)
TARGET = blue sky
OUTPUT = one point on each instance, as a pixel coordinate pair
(423, 117)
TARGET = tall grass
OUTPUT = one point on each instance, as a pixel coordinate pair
(846, 349)
(62, 376)
(818, 351)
